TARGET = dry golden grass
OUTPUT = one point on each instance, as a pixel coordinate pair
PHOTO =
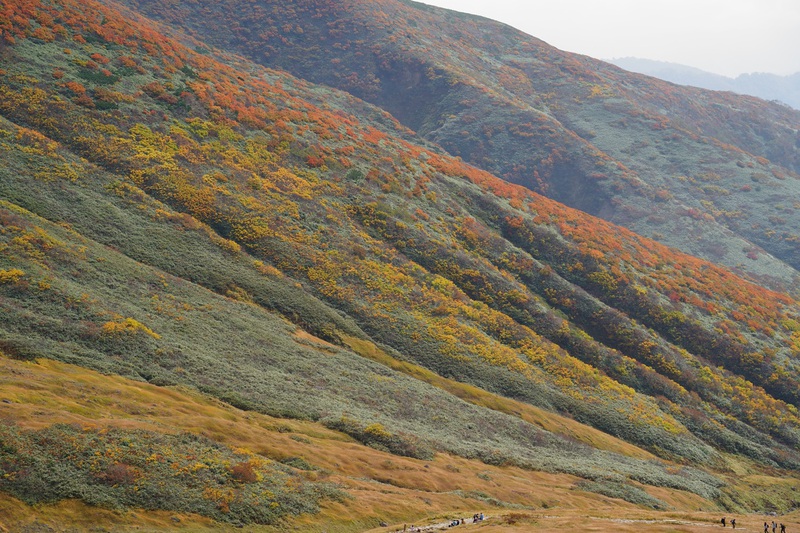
(383, 487)
(75, 516)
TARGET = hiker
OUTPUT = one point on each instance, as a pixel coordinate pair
(733, 523)
(774, 525)
(766, 527)
(783, 528)
(723, 521)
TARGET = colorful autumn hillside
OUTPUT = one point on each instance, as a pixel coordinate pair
(713, 174)
(243, 246)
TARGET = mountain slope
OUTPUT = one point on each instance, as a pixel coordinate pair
(186, 217)
(712, 174)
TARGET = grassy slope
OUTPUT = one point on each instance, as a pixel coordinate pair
(539, 417)
(382, 486)
(262, 366)
(345, 237)
(372, 479)
(97, 221)
(705, 172)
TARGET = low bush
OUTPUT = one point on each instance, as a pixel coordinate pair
(120, 469)
(376, 436)
(622, 491)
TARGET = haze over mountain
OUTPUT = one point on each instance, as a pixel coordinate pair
(785, 89)
(272, 265)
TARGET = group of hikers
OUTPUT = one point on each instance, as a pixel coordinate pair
(774, 526)
(766, 525)
(477, 517)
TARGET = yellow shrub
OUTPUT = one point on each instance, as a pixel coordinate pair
(127, 326)
(377, 430)
(12, 275)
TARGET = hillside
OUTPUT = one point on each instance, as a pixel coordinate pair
(713, 174)
(233, 297)
(785, 89)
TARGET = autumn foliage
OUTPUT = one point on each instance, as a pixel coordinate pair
(462, 272)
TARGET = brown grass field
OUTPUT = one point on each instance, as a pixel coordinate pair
(383, 488)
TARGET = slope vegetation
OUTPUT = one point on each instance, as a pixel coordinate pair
(178, 216)
(713, 174)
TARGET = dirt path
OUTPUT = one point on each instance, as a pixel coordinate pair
(439, 527)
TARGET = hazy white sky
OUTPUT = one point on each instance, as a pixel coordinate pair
(727, 37)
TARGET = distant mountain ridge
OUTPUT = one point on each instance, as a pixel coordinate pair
(785, 89)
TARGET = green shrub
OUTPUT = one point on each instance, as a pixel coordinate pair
(377, 436)
(97, 77)
(623, 491)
